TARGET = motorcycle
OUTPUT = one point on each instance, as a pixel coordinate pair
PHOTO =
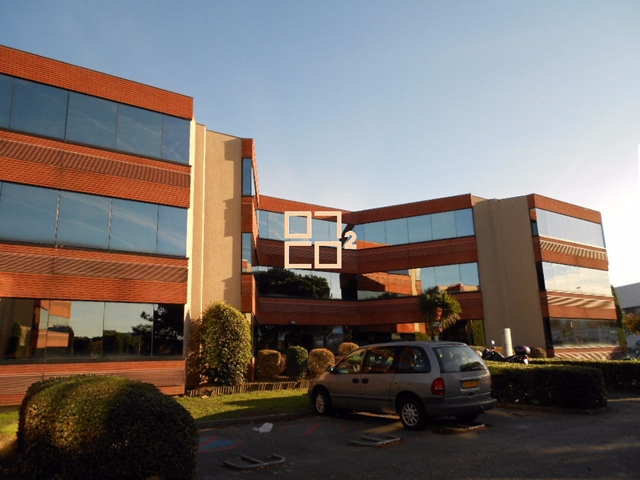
(522, 353)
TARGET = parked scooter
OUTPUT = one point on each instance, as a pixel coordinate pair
(522, 353)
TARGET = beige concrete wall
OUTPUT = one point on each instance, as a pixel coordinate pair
(216, 228)
(508, 276)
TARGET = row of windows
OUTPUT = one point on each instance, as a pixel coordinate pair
(74, 117)
(570, 279)
(345, 286)
(556, 225)
(43, 215)
(399, 231)
(566, 332)
(58, 329)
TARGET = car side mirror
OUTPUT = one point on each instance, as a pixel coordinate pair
(330, 369)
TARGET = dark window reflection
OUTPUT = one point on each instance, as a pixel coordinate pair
(6, 94)
(56, 329)
(92, 120)
(39, 109)
(248, 182)
(567, 332)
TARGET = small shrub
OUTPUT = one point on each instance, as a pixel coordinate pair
(104, 427)
(225, 336)
(268, 364)
(537, 352)
(319, 360)
(297, 362)
(346, 348)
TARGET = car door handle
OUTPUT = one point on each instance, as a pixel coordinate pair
(356, 380)
(365, 380)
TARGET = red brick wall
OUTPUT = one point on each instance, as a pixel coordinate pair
(45, 70)
(552, 205)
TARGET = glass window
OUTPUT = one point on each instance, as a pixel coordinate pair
(464, 223)
(247, 252)
(555, 225)
(139, 131)
(413, 360)
(92, 120)
(378, 360)
(27, 213)
(128, 329)
(577, 332)
(176, 133)
(39, 109)
(172, 231)
(271, 225)
(133, 226)
(248, 183)
(420, 229)
(570, 279)
(469, 276)
(168, 330)
(447, 275)
(6, 94)
(444, 225)
(75, 329)
(83, 220)
(428, 278)
(352, 362)
(397, 231)
(375, 233)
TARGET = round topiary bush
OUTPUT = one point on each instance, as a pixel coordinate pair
(104, 427)
(319, 360)
(268, 364)
(346, 348)
(225, 336)
(297, 362)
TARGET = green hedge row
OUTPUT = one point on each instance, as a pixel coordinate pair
(617, 375)
(558, 385)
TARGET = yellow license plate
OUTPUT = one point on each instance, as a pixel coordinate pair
(470, 383)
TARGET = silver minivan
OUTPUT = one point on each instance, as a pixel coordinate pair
(414, 379)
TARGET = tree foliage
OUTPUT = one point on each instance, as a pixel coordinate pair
(440, 310)
(631, 322)
(225, 338)
(277, 281)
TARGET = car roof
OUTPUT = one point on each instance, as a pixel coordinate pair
(409, 343)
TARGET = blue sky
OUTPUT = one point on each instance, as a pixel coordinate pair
(360, 104)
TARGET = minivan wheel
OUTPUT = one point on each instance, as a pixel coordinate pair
(322, 402)
(412, 414)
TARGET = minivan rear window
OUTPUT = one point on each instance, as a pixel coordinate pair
(457, 358)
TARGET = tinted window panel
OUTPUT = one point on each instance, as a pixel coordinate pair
(247, 252)
(175, 139)
(83, 220)
(444, 225)
(128, 328)
(168, 329)
(375, 233)
(428, 278)
(447, 275)
(92, 120)
(75, 329)
(469, 274)
(28, 214)
(420, 229)
(464, 223)
(139, 131)
(247, 177)
(6, 93)
(133, 226)
(39, 109)
(172, 231)
(397, 231)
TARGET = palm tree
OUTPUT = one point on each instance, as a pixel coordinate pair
(440, 310)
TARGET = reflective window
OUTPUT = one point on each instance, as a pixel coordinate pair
(39, 109)
(555, 225)
(247, 252)
(464, 223)
(378, 360)
(570, 279)
(397, 231)
(175, 139)
(271, 225)
(172, 231)
(139, 131)
(248, 182)
(83, 220)
(420, 229)
(6, 94)
(351, 363)
(133, 226)
(374, 233)
(573, 332)
(53, 329)
(444, 225)
(92, 120)
(27, 214)
(413, 360)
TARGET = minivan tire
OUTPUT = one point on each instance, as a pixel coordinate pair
(322, 402)
(412, 414)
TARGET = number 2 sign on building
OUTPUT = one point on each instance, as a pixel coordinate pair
(304, 240)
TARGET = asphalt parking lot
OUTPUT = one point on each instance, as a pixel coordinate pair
(504, 443)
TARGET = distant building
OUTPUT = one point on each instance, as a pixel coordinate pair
(121, 219)
(629, 297)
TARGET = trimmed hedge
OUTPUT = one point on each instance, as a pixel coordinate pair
(319, 361)
(104, 427)
(297, 362)
(565, 386)
(268, 364)
(617, 374)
